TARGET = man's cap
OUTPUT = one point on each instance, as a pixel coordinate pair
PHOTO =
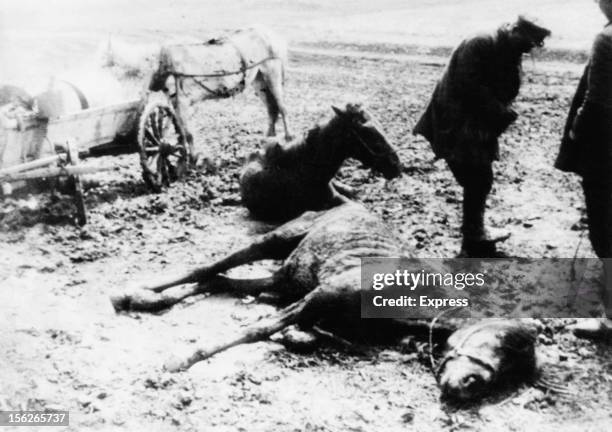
(529, 28)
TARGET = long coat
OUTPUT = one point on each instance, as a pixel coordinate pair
(589, 154)
(470, 106)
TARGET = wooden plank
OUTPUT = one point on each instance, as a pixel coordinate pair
(37, 163)
(56, 172)
(98, 111)
(23, 140)
(96, 126)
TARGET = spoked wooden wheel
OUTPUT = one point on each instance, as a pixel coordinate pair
(164, 152)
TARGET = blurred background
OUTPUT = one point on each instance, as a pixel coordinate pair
(50, 36)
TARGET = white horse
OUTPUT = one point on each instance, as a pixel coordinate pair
(223, 67)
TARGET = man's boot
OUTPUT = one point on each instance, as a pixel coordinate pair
(599, 328)
(478, 242)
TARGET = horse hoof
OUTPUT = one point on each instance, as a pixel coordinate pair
(175, 364)
(593, 328)
(121, 303)
(299, 341)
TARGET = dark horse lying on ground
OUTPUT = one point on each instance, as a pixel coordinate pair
(321, 275)
(280, 183)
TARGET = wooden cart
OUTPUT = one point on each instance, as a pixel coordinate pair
(32, 147)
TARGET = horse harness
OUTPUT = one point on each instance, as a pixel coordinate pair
(200, 79)
(460, 352)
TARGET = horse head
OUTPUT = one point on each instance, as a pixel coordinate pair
(367, 141)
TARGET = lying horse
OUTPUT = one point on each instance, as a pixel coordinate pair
(321, 276)
(321, 272)
(280, 183)
(223, 67)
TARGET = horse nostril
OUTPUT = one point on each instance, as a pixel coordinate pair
(471, 382)
(450, 393)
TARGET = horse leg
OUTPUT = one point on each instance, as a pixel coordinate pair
(324, 301)
(274, 82)
(334, 198)
(272, 112)
(276, 244)
(303, 309)
(264, 94)
(151, 301)
(181, 114)
(344, 190)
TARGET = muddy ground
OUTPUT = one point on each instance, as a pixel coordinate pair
(64, 347)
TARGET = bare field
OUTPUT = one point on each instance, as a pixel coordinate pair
(63, 346)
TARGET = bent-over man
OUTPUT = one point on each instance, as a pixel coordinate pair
(469, 109)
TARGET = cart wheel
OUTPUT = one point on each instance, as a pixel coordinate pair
(164, 151)
(75, 180)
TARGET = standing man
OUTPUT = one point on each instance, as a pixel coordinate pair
(586, 149)
(469, 109)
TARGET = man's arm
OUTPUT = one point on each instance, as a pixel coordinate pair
(471, 69)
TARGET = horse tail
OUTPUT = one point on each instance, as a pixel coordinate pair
(284, 61)
(283, 55)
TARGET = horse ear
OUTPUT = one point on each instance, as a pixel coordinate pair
(338, 111)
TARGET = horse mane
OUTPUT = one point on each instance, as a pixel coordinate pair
(313, 134)
(305, 148)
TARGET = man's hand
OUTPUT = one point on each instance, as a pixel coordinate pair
(510, 116)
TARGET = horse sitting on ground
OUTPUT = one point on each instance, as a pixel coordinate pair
(282, 182)
(223, 67)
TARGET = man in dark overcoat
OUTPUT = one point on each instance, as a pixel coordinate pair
(470, 108)
(586, 149)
